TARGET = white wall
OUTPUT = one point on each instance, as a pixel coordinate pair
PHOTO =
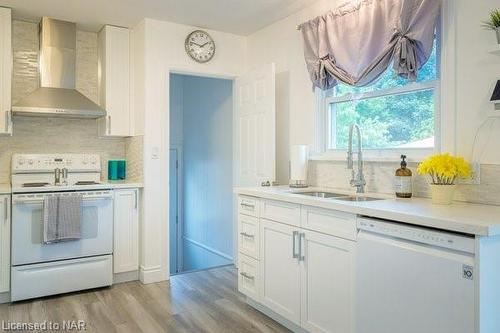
(160, 49)
(207, 172)
(160, 46)
(281, 43)
(476, 72)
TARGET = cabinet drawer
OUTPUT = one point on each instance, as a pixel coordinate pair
(328, 221)
(248, 276)
(248, 235)
(248, 206)
(280, 211)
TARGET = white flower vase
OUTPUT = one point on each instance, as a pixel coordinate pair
(442, 194)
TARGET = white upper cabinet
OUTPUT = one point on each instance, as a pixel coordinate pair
(114, 81)
(5, 71)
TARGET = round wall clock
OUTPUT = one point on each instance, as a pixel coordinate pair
(200, 46)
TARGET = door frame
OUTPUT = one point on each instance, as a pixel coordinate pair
(215, 75)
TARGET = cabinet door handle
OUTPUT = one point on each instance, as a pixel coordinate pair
(7, 121)
(244, 234)
(302, 236)
(135, 198)
(295, 255)
(247, 276)
(5, 206)
(243, 204)
(109, 124)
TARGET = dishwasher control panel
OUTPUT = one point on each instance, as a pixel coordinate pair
(423, 235)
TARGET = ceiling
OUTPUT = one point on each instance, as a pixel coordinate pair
(241, 17)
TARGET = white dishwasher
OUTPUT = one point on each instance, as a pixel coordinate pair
(413, 279)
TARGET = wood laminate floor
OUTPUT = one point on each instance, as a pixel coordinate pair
(204, 301)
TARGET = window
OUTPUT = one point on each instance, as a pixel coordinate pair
(395, 115)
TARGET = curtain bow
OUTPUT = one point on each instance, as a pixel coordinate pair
(405, 57)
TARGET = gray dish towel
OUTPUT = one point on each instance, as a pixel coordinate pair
(50, 204)
(65, 223)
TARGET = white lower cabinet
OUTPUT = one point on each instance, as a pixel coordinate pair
(126, 231)
(280, 269)
(327, 282)
(248, 276)
(4, 243)
(304, 276)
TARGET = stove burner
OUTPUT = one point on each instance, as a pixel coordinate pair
(87, 182)
(35, 184)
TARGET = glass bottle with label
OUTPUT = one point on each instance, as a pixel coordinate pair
(403, 180)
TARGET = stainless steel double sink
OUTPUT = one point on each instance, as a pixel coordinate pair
(337, 196)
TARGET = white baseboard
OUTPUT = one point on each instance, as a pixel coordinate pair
(151, 274)
(126, 277)
(208, 248)
(276, 317)
(4, 297)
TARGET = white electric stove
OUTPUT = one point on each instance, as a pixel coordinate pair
(40, 269)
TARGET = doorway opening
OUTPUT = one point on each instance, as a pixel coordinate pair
(201, 166)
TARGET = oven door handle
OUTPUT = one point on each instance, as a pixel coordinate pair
(30, 200)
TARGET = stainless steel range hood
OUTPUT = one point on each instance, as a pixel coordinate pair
(57, 95)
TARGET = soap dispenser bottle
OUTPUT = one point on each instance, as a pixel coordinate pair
(403, 180)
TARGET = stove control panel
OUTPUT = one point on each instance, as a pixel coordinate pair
(33, 163)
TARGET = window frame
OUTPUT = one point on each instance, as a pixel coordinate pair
(400, 90)
(323, 121)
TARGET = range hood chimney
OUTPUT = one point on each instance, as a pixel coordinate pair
(57, 95)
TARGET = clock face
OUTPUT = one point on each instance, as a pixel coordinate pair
(200, 46)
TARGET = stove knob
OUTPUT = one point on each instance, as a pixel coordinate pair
(30, 162)
(20, 161)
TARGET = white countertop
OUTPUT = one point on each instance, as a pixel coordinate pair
(122, 184)
(483, 220)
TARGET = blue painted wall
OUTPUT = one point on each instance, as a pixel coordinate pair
(207, 107)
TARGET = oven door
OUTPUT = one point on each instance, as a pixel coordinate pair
(27, 229)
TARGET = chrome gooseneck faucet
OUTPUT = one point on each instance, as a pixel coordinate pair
(357, 179)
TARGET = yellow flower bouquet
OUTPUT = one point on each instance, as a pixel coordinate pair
(444, 170)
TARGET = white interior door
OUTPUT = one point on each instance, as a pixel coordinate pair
(254, 126)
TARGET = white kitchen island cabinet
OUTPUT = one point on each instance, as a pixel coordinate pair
(5, 71)
(126, 231)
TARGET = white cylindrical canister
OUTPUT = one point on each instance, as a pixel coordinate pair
(299, 155)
